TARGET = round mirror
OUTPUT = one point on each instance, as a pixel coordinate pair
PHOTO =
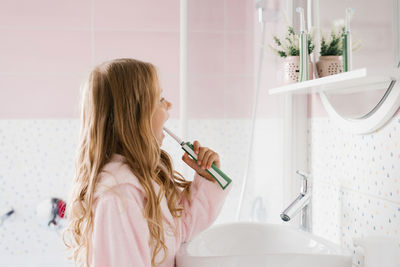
(375, 36)
(356, 105)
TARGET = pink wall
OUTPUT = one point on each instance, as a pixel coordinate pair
(46, 49)
(229, 33)
(220, 58)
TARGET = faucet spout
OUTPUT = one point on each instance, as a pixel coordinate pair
(295, 207)
(301, 204)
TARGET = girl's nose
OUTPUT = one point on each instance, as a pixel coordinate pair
(169, 105)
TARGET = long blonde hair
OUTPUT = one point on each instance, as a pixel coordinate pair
(119, 101)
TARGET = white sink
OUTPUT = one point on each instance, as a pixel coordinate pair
(256, 244)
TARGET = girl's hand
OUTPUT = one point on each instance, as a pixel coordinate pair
(205, 157)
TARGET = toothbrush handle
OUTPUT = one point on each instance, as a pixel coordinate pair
(222, 179)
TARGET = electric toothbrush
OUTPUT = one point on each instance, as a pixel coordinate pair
(347, 46)
(222, 179)
(303, 47)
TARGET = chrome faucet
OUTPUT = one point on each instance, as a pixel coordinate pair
(301, 204)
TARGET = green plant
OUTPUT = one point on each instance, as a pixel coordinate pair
(290, 45)
(332, 45)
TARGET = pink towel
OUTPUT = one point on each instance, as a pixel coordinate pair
(120, 232)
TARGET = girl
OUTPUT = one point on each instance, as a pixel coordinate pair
(128, 206)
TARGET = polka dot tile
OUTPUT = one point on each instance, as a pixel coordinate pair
(356, 183)
(365, 163)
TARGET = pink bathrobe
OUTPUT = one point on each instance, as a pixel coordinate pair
(120, 232)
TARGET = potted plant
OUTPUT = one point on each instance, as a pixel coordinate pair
(330, 61)
(288, 49)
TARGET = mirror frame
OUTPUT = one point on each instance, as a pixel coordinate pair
(389, 103)
(375, 119)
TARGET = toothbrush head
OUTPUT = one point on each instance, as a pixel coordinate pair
(170, 133)
(349, 13)
(350, 10)
(300, 10)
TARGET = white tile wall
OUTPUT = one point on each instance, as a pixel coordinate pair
(356, 178)
(356, 182)
(36, 163)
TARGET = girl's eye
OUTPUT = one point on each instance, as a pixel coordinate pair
(162, 99)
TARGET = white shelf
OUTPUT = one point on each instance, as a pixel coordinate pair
(346, 82)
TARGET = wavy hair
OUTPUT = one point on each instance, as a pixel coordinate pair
(119, 100)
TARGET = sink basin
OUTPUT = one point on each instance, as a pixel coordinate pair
(257, 244)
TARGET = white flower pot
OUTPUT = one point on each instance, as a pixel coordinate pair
(291, 67)
(329, 65)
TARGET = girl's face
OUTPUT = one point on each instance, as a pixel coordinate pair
(160, 116)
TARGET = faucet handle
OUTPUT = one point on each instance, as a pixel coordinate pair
(304, 175)
(304, 183)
